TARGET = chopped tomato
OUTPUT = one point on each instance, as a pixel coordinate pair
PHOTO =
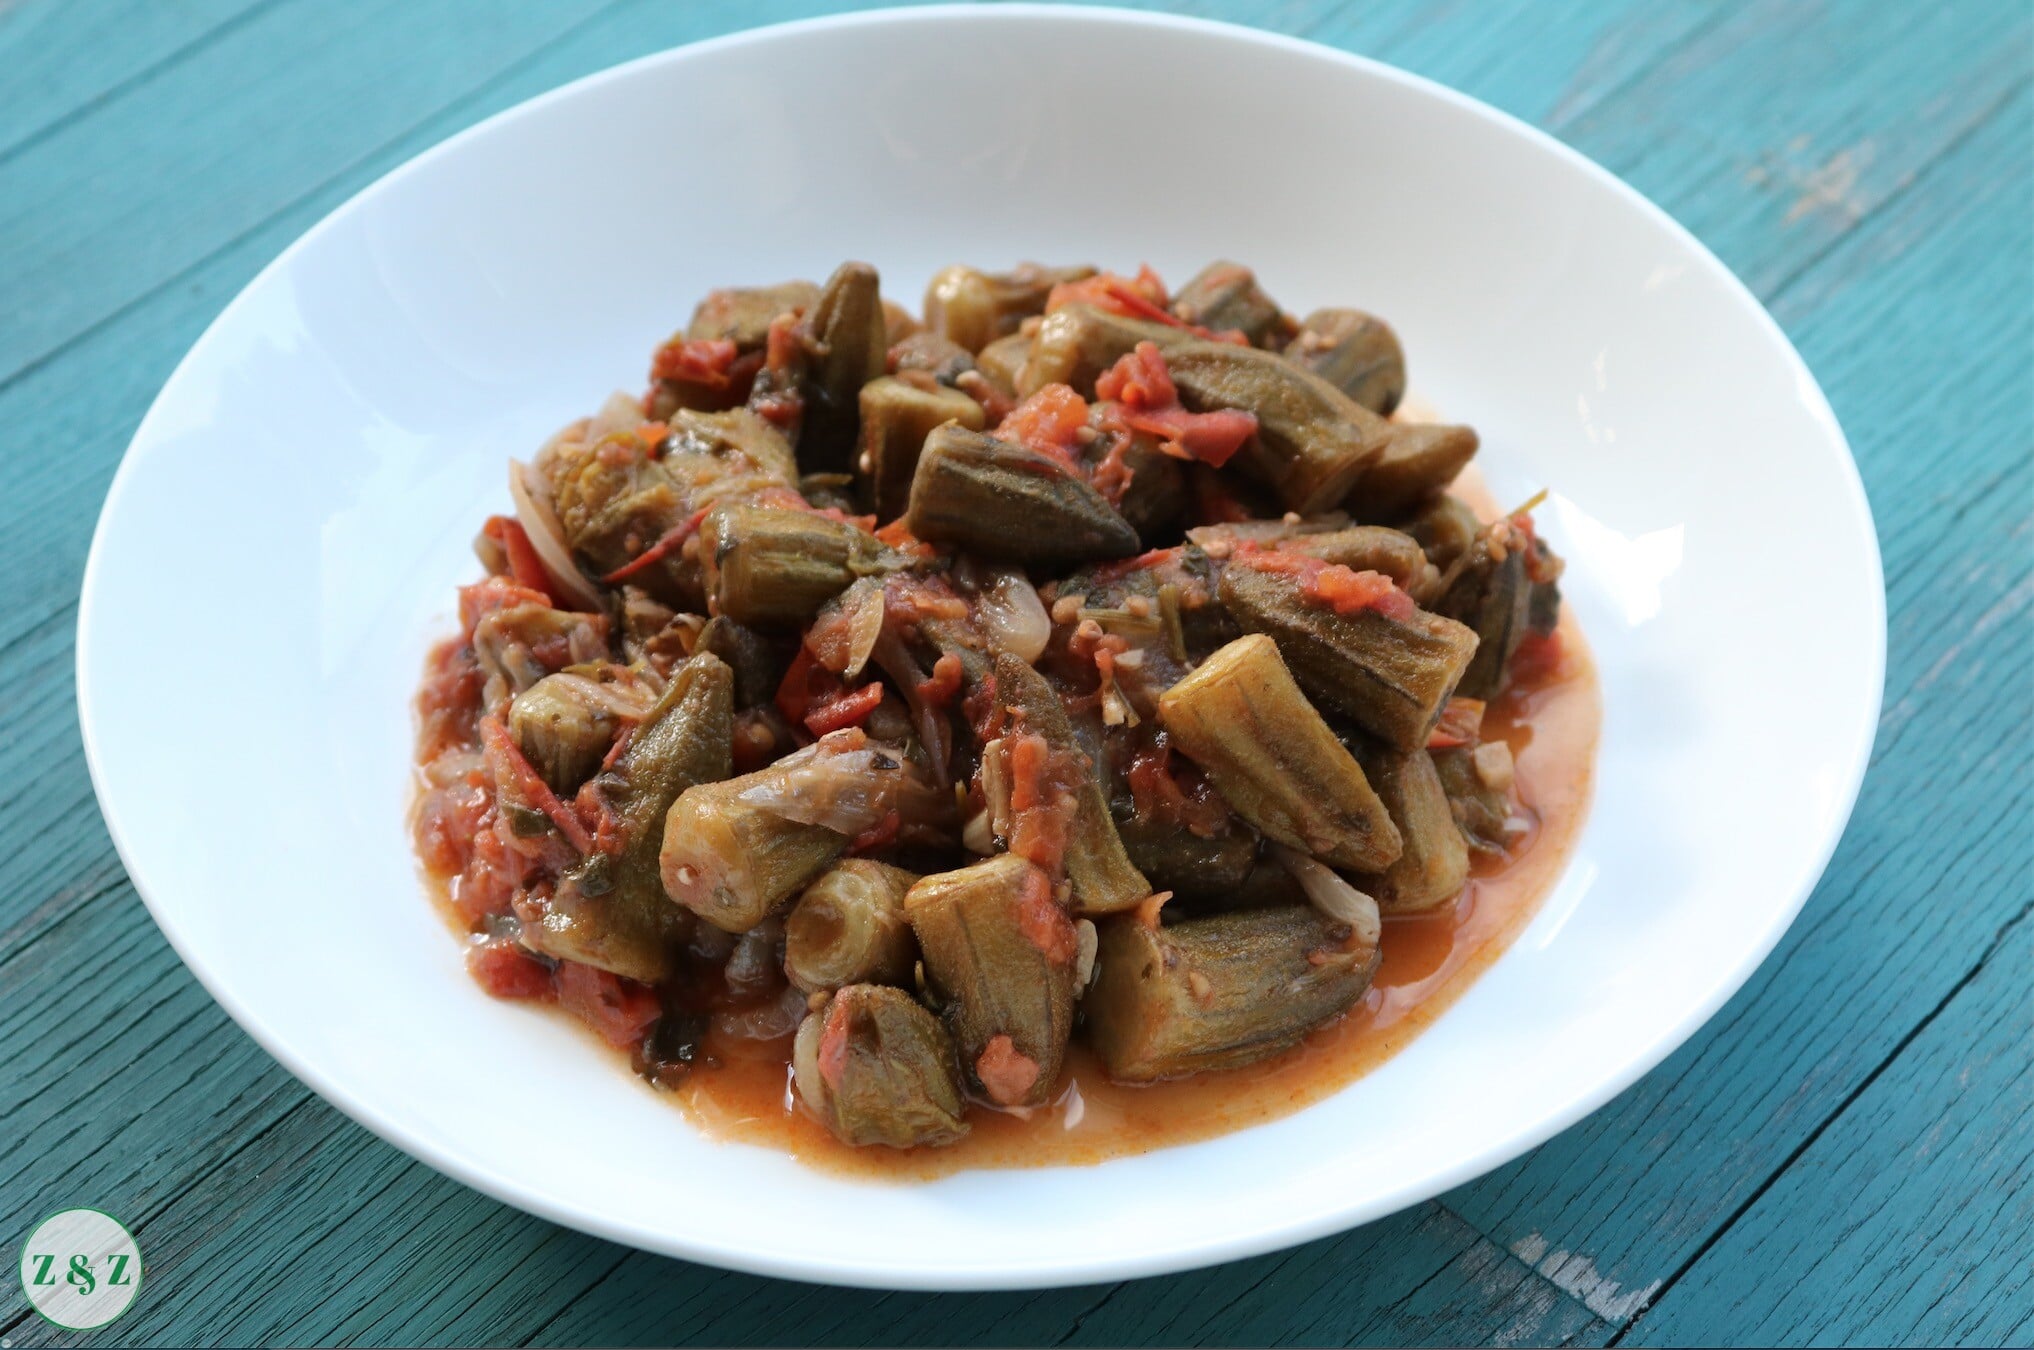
(879, 835)
(507, 969)
(1139, 380)
(813, 697)
(1142, 296)
(506, 760)
(1027, 772)
(1050, 421)
(448, 820)
(449, 703)
(985, 712)
(1347, 591)
(937, 690)
(1113, 476)
(525, 567)
(1213, 438)
(701, 361)
(492, 596)
(622, 1011)
(898, 535)
(1042, 921)
(802, 683)
(847, 709)
(1461, 723)
(487, 886)
(1143, 397)
(671, 541)
(833, 1045)
(1180, 797)
(1007, 1074)
(1340, 588)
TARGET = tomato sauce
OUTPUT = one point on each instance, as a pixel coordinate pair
(1429, 960)
(740, 1090)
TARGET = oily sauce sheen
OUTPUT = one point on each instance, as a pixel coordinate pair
(739, 1090)
(1428, 961)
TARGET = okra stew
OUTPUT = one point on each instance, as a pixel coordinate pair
(1086, 717)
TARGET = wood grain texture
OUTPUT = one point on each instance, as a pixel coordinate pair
(268, 1217)
(1940, 425)
(63, 59)
(1921, 1196)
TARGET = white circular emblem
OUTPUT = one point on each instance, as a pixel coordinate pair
(80, 1269)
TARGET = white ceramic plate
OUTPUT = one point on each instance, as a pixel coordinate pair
(324, 454)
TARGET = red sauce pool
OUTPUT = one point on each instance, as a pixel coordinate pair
(741, 1093)
(1428, 961)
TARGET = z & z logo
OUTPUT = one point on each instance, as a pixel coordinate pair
(80, 1269)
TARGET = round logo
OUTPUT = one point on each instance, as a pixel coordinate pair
(80, 1269)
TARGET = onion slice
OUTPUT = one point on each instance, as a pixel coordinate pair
(1013, 617)
(1331, 895)
(547, 537)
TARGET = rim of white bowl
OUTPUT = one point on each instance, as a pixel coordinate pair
(1189, 1252)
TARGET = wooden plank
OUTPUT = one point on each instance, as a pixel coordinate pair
(240, 1096)
(1773, 134)
(58, 874)
(1906, 1222)
(1933, 862)
(127, 195)
(63, 56)
(1418, 1277)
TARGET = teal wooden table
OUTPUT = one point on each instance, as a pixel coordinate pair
(1842, 1155)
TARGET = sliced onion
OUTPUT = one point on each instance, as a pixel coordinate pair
(865, 604)
(1013, 617)
(847, 790)
(1331, 895)
(621, 412)
(1087, 943)
(547, 536)
(627, 699)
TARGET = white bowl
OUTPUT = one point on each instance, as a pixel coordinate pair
(283, 539)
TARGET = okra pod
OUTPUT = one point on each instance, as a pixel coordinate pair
(1097, 868)
(974, 308)
(742, 314)
(1419, 462)
(735, 863)
(1203, 872)
(736, 852)
(999, 957)
(1312, 441)
(773, 567)
(1076, 343)
(849, 928)
(848, 339)
(1225, 296)
(896, 419)
(876, 1068)
(1356, 352)
(1009, 502)
(1391, 677)
(1000, 361)
(1218, 992)
(1434, 866)
(610, 910)
(1243, 720)
(1488, 590)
